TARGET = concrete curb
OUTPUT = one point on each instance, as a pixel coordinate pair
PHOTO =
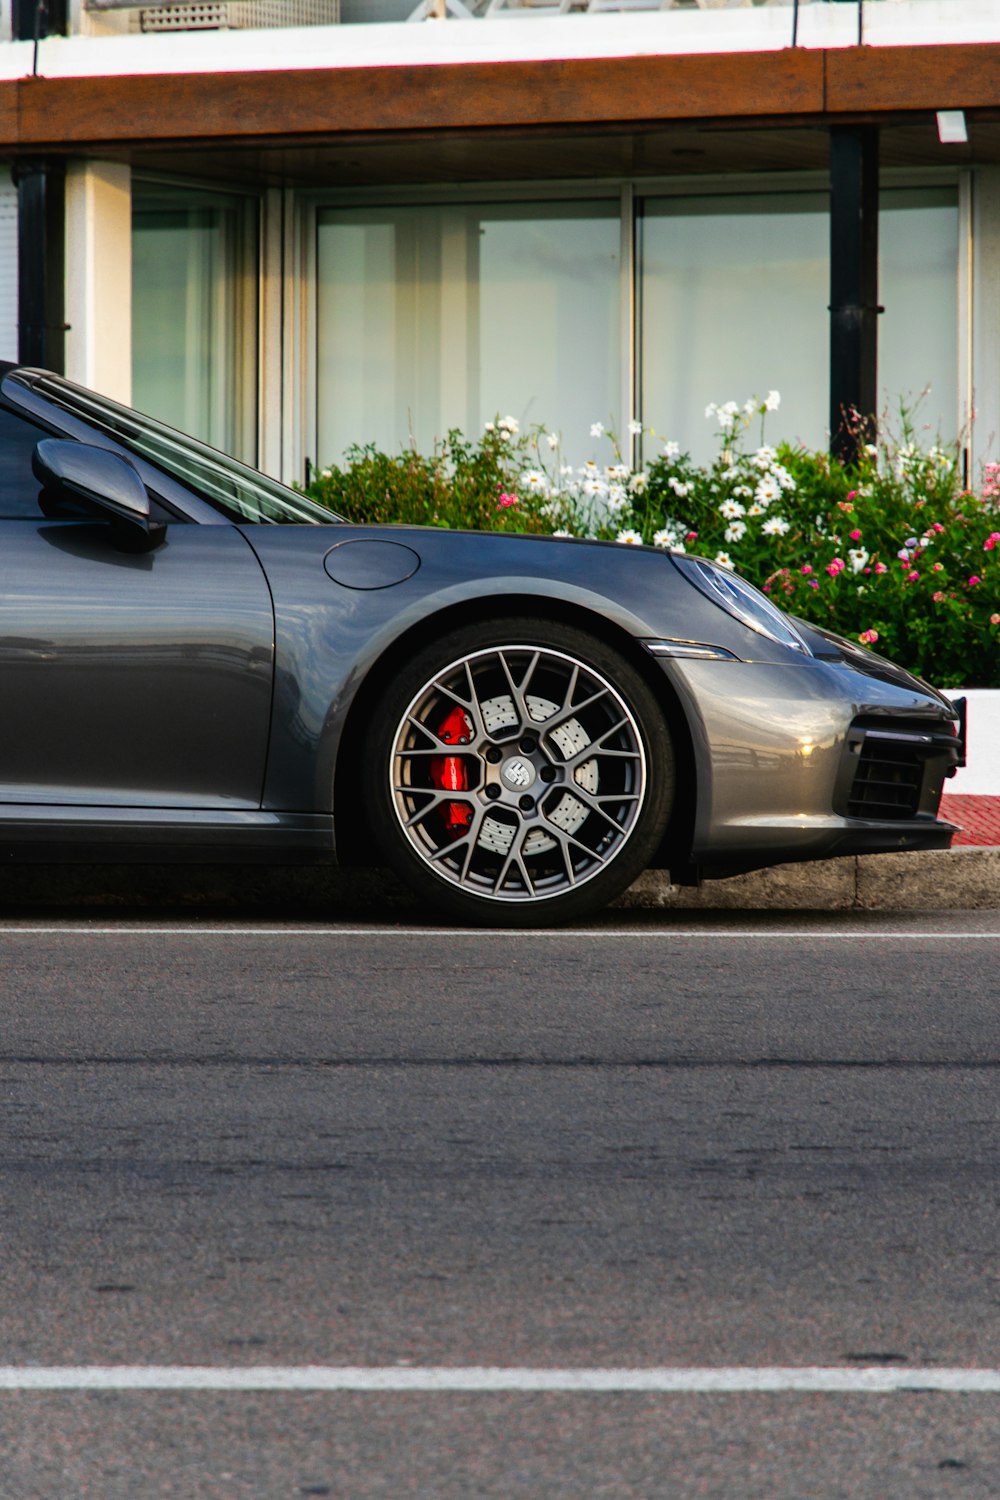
(964, 879)
(957, 879)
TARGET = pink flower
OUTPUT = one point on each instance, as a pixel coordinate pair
(936, 567)
(692, 536)
(974, 579)
(505, 501)
(937, 596)
(995, 619)
(881, 567)
(937, 526)
(855, 536)
(806, 569)
(837, 566)
(813, 584)
(868, 637)
(991, 541)
(912, 577)
(851, 494)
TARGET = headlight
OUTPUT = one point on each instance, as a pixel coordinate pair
(740, 599)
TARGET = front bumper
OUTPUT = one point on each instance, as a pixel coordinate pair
(813, 759)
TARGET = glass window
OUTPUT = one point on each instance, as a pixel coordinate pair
(194, 313)
(735, 294)
(446, 316)
(734, 297)
(19, 489)
(918, 287)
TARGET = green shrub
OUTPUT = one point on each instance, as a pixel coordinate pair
(461, 485)
(894, 551)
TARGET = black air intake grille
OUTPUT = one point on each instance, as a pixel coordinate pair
(887, 781)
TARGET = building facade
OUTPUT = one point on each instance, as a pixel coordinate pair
(295, 226)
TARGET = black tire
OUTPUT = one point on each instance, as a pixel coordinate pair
(518, 773)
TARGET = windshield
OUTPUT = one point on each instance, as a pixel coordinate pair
(241, 493)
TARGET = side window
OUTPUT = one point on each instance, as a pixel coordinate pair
(19, 489)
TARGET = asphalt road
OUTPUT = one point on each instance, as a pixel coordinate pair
(674, 1143)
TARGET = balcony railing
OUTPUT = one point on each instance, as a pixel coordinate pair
(186, 14)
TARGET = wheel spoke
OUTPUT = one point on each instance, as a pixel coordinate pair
(593, 802)
(594, 748)
(435, 798)
(514, 857)
(572, 710)
(518, 693)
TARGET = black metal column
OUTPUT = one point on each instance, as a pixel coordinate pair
(41, 263)
(853, 287)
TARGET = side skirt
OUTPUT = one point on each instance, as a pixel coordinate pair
(33, 834)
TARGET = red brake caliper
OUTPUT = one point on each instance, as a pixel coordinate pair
(449, 773)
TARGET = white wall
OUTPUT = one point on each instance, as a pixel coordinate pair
(99, 277)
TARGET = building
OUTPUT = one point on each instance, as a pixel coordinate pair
(380, 222)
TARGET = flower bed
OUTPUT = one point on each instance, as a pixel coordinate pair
(895, 551)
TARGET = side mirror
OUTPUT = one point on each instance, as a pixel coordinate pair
(105, 482)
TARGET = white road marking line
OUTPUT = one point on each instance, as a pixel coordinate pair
(863, 1380)
(451, 933)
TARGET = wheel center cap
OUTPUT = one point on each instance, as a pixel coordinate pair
(518, 773)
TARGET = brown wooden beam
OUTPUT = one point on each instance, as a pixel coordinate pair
(888, 79)
(804, 86)
(231, 106)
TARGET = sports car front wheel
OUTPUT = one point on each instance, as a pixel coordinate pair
(519, 773)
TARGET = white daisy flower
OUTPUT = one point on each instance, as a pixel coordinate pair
(775, 526)
(858, 557)
(635, 427)
(768, 489)
(735, 531)
(772, 400)
(672, 449)
(597, 429)
(665, 538)
(629, 538)
(725, 561)
(731, 510)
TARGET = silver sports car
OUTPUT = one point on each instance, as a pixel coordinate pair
(200, 664)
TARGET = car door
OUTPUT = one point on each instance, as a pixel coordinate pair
(126, 679)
